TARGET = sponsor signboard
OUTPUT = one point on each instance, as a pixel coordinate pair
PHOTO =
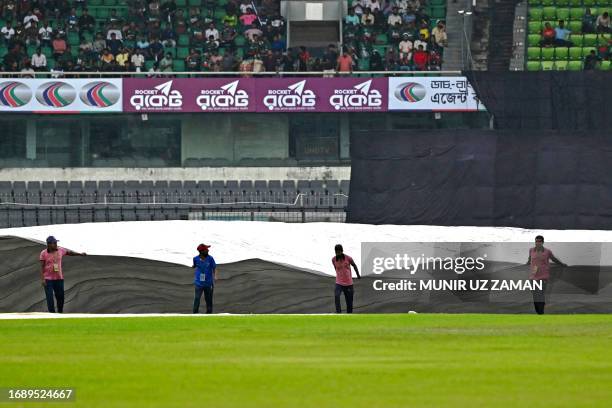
(60, 95)
(255, 95)
(437, 94)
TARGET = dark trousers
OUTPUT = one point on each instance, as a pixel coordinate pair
(348, 295)
(539, 300)
(208, 298)
(57, 287)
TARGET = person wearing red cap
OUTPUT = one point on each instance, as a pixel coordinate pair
(204, 278)
(51, 273)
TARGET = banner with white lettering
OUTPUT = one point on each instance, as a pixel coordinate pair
(438, 94)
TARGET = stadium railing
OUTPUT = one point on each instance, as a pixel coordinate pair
(71, 74)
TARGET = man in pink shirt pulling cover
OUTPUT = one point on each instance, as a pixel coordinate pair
(538, 260)
(51, 273)
(344, 279)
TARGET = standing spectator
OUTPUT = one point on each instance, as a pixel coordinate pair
(303, 59)
(45, 34)
(345, 62)
(603, 23)
(588, 22)
(39, 60)
(138, 60)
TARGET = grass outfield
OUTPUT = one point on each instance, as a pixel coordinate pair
(315, 361)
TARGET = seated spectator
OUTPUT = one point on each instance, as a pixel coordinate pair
(154, 10)
(168, 9)
(45, 33)
(591, 61)
(197, 35)
(351, 18)
(114, 20)
(588, 22)
(143, 45)
(230, 19)
(245, 6)
(167, 63)
(252, 32)
(330, 58)
(394, 34)
(168, 36)
(376, 61)
(29, 18)
(156, 49)
(99, 44)
(248, 18)
(211, 45)
(39, 60)
(405, 48)
(86, 23)
(345, 62)
(422, 41)
(229, 62)
(278, 24)
(114, 30)
(8, 32)
(9, 10)
(193, 61)
(131, 31)
(228, 35)
(440, 38)
(269, 61)
(123, 60)
(367, 19)
(194, 15)
(72, 21)
(59, 46)
(420, 59)
(107, 61)
(394, 17)
(27, 70)
(603, 23)
(548, 36)
(561, 35)
(180, 23)
(138, 60)
(154, 70)
(435, 61)
(212, 31)
(31, 35)
(215, 61)
(114, 45)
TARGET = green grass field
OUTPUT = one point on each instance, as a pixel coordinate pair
(315, 361)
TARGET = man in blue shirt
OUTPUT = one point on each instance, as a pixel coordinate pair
(561, 35)
(204, 278)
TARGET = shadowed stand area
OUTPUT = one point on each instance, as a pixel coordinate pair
(109, 284)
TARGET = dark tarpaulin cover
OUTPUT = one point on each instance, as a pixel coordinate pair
(563, 100)
(528, 179)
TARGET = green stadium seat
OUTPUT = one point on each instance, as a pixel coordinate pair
(576, 3)
(183, 40)
(590, 40)
(589, 3)
(561, 53)
(576, 13)
(94, 3)
(548, 2)
(605, 66)
(110, 3)
(587, 50)
(535, 27)
(549, 13)
(194, 3)
(603, 39)
(574, 66)
(381, 39)
(102, 13)
(439, 12)
(533, 40)
(179, 65)
(577, 39)
(548, 54)
(561, 3)
(73, 39)
(547, 65)
(50, 63)
(170, 50)
(594, 11)
(48, 51)
(575, 53)
(240, 41)
(181, 3)
(561, 65)
(182, 52)
(149, 65)
(534, 2)
(534, 53)
(574, 26)
(534, 66)
(535, 13)
(563, 14)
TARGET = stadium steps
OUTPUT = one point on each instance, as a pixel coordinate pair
(501, 40)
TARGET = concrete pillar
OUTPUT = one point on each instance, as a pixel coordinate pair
(31, 139)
